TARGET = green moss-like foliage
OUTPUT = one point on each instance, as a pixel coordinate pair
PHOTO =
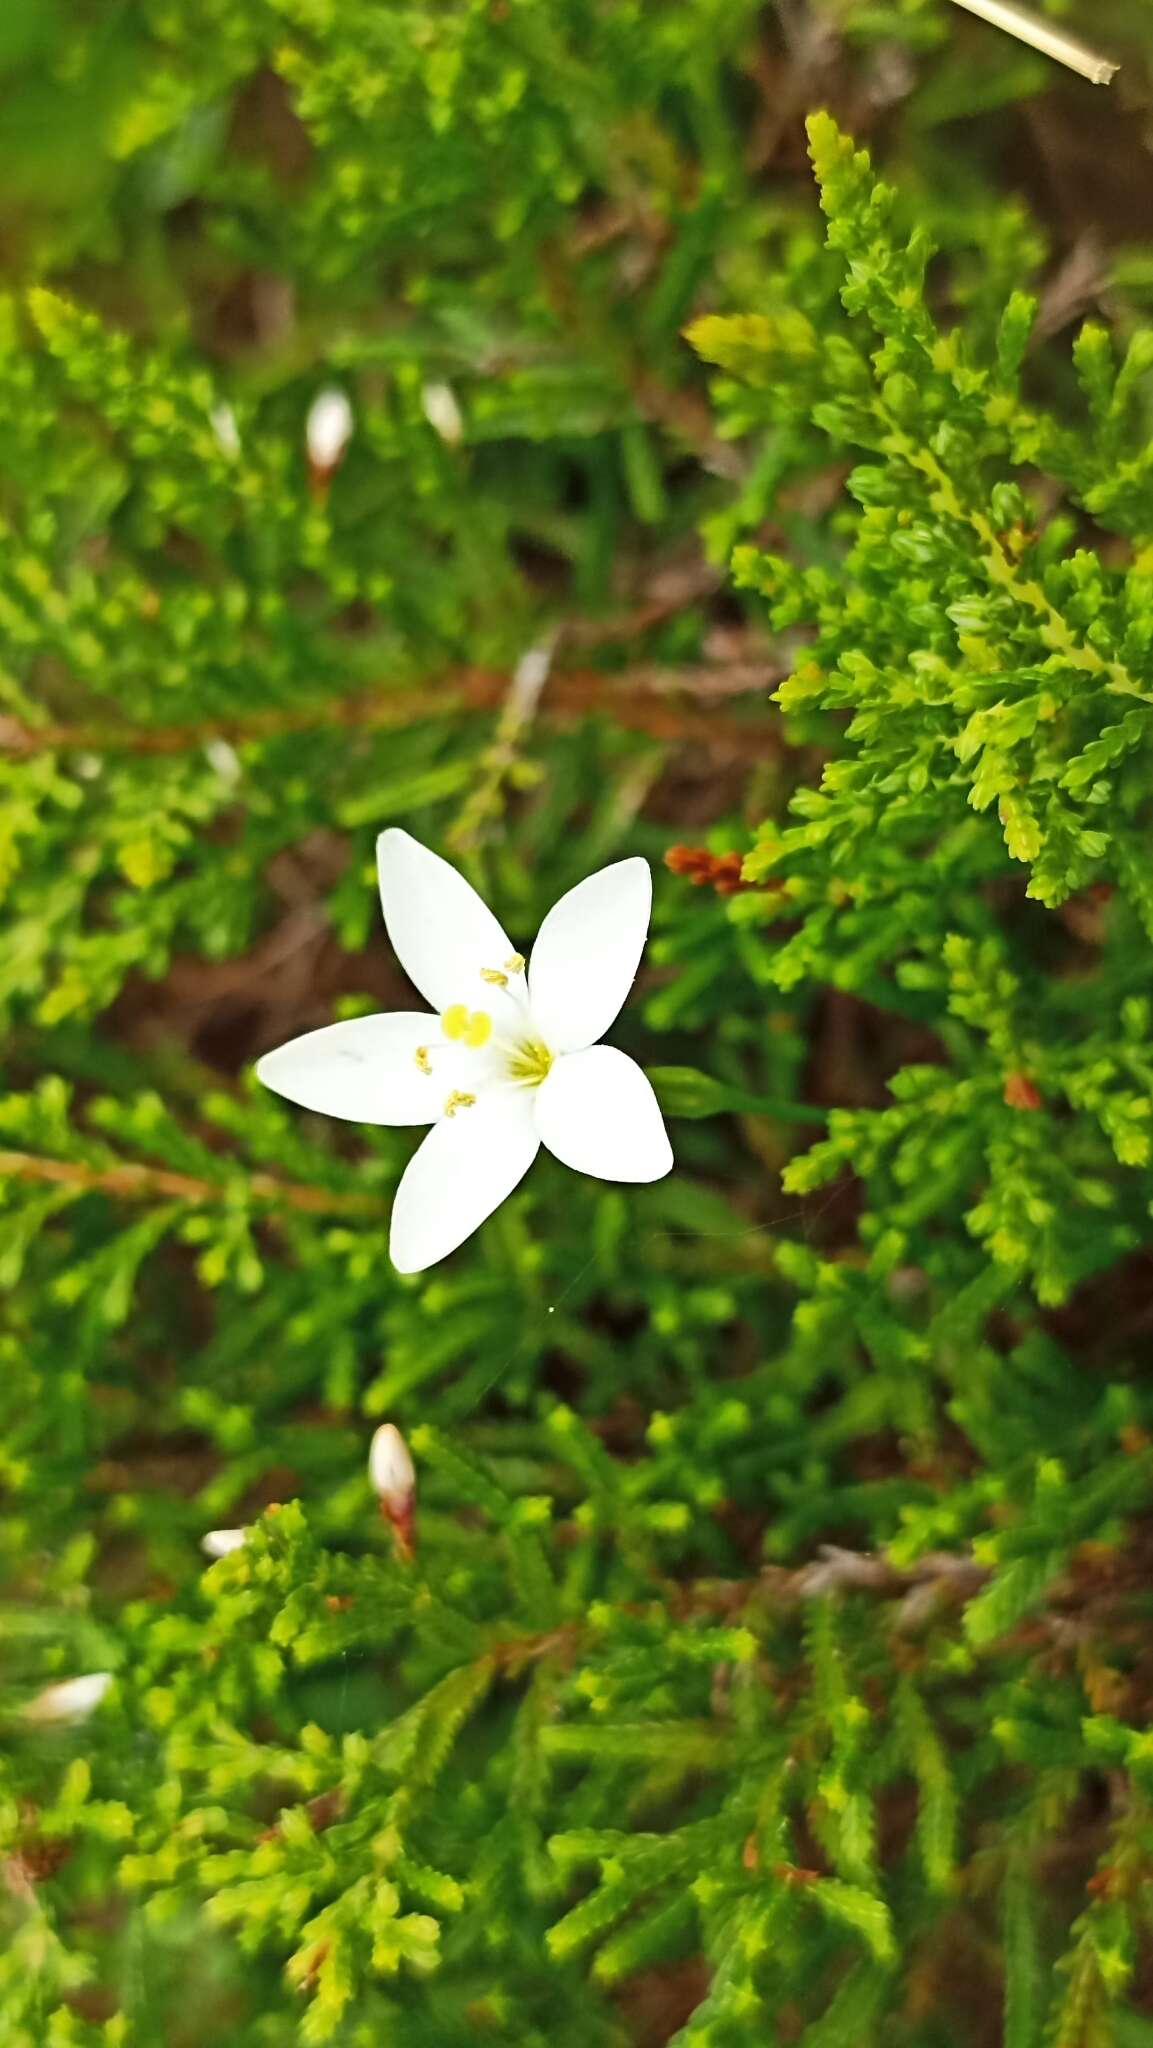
(772, 1662)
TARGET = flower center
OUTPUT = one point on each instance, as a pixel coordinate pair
(515, 1054)
(529, 1062)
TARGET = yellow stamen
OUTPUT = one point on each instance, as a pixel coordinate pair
(422, 1059)
(459, 1099)
(494, 977)
(514, 964)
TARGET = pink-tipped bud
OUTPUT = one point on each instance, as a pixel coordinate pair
(393, 1477)
(327, 433)
(390, 1467)
(72, 1700)
(222, 1542)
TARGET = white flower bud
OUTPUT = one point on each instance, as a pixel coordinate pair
(72, 1700)
(390, 1468)
(222, 1542)
(443, 413)
(223, 422)
(225, 760)
(328, 429)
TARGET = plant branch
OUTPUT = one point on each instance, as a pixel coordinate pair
(646, 706)
(132, 1182)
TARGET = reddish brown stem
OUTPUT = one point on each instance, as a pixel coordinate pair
(130, 1182)
(572, 693)
(719, 871)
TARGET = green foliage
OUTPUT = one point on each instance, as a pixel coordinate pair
(768, 1659)
(997, 687)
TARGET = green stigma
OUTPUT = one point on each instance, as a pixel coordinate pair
(530, 1063)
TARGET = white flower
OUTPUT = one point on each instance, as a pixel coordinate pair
(72, 1700)
(390, 1467)
(510, 1060)
(222, 1542)
(328, 429)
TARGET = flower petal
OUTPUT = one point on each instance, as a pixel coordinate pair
(441, 932)
(586, 955)
(597, 1112)
(464, 1170)
(364, 1069)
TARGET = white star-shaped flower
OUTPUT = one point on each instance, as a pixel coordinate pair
(509, 1061)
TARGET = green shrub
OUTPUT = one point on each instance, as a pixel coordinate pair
(771, 1661)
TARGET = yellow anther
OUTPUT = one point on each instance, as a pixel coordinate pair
(494, 977)
(459, 1099)
(514, 964)
(422, 1059)
(469, 1027)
